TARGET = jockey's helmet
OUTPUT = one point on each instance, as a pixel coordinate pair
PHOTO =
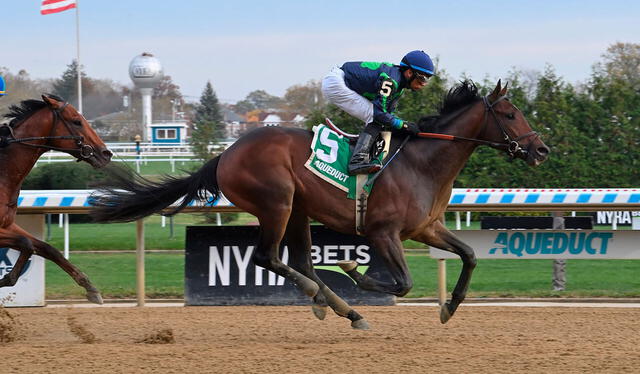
(419, 62)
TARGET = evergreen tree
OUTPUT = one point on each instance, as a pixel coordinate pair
(67, 86)
(208, 127)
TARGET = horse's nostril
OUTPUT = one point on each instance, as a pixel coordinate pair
(107, 153)
(543, 151)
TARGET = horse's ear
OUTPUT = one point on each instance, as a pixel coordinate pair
(53, 103)
(504, 90)
(493, 96)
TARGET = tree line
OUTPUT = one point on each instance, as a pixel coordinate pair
(592, 127)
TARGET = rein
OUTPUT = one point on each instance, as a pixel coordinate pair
(510, 146)
(84, 151)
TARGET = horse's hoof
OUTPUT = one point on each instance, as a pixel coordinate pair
(360, 324)
(94, 297)
(347, 265)
(445, 314)
(319, 311)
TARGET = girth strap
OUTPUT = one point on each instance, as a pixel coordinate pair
(361, 193)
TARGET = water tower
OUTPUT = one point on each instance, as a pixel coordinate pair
(146, 72)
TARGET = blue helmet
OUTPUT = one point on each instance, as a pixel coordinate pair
(2, 87)
(418, 61)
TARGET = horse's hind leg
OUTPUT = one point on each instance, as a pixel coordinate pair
(50, 253)
(298, 239)
(272, 226)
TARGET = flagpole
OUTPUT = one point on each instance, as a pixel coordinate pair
(78, 56)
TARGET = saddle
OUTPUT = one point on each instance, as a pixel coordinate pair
(364, 183)
(378, 145)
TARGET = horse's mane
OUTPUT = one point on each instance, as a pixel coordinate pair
(457, 98)
(25, 108)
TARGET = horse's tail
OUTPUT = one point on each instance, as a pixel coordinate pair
(125, 198)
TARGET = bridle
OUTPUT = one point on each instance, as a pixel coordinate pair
(510, 145)
(84, 151)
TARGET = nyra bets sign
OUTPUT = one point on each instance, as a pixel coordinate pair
(550, 244)
(219, 270)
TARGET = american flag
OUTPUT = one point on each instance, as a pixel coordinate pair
(55, 6)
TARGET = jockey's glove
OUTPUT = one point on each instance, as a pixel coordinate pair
(411, 128)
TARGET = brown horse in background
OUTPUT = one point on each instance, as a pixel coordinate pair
(263, 173)
(36, 127)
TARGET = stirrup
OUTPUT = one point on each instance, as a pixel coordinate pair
(363, 168)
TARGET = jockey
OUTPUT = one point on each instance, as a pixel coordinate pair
(370, 92)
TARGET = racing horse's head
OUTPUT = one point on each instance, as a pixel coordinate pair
(71, 133)
(505, 124)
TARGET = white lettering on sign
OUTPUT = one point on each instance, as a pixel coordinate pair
(333, 147)
(622, 218)
(242, 263)
(334, 253)
(220, 262)
(220, 266)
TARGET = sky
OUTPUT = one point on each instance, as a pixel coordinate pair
(241, 46)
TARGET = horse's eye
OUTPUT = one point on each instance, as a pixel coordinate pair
(511, 116)
(77, 123)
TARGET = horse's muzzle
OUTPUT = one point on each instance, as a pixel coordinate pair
(537, 153)
(100, 158)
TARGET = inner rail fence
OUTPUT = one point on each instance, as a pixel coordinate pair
(39, 203)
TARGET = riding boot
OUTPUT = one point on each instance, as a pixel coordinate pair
(360, 162)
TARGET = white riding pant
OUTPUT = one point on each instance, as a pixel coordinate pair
(335, 91)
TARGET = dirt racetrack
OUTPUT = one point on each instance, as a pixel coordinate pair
(403, 339)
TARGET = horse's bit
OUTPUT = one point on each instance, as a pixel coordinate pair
(84, 151)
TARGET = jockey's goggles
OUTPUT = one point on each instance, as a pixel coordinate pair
(421, 77)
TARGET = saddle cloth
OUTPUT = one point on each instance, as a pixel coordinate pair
(330, 154)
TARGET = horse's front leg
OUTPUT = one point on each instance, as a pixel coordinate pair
(389, 247)
(50, 253)
(438, 236)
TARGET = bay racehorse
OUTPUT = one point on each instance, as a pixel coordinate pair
(263, 173)
(36, 127)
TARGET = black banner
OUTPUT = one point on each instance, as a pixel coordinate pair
(219, 270)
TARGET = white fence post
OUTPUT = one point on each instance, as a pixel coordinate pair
(66, 235)
(140, 274)
(442, 281)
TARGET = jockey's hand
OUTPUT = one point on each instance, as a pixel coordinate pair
(411, 128)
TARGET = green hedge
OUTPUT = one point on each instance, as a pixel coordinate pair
(62, 176)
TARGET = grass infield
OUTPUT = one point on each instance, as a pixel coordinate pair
(114, 275)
